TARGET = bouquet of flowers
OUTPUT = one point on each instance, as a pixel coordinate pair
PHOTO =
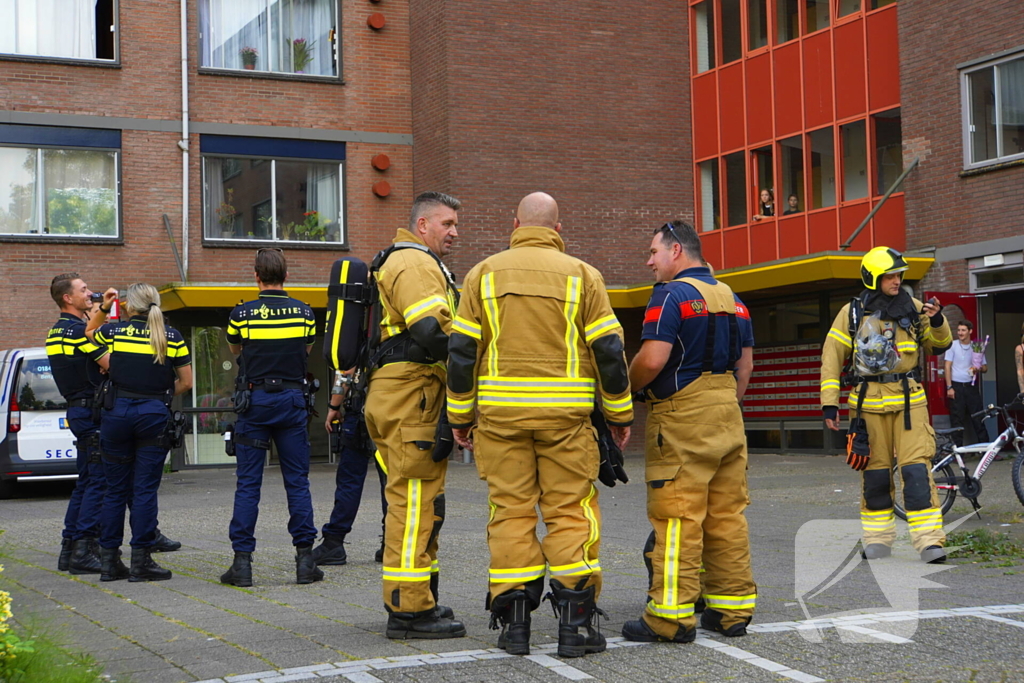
(977, 357)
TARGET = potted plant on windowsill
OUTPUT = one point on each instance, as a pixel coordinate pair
(302, 54)
(249, 56)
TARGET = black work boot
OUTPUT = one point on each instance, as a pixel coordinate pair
(379, 555)
(111, 566)
(145, 569)
(933, 554)
(306, 570)
(442, 611)
(512, 611)
(429, 625)
(638, 631)
(164, 544)
(83, 559)
(240, 572)
(711, 620)
(64, 559)
(699, 606)
(331, 551)
(576, 608)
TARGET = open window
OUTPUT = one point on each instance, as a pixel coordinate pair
(63, 29)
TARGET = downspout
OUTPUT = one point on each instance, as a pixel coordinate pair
(183, 143)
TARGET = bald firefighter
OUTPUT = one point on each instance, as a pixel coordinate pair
(403, 408)
(534, 343)
(883, 333)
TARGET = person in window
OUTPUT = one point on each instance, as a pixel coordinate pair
(794, 205)
(767, 204)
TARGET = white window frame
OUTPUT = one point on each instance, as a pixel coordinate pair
(965, 105)
(116, 30)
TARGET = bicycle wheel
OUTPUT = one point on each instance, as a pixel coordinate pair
(945, 486)
(1018, 486)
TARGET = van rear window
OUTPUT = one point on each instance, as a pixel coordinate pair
(37, 389)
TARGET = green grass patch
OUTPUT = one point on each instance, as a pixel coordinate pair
(49, 662)
(982, 545)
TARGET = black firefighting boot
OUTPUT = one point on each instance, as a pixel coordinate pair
(576, 608)
(875, 551)
(83, 559)
(933, 554)
(511, 610)
(111, 566)
(164, 544)
(638, 631)
(64, 559)
(711, 620)
(331, 551)
(379, 555)
(442, 611)
(428, 624)
(145, 569)
(306, 570)
(240, 572)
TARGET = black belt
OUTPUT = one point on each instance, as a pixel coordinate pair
(965, 384)
(80, 403)
(124, 393)
(284, 384)
(890, 377)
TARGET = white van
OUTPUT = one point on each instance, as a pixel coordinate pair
(36, 442)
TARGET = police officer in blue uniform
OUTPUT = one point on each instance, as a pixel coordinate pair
(272, 336)
(149, 365)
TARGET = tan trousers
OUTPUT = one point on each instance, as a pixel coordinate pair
(696, 494)
(402, 408)
(915, 448)
(553, 468)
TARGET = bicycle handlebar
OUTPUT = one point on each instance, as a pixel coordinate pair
(992, 409)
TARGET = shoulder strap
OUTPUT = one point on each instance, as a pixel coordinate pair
(720, 301)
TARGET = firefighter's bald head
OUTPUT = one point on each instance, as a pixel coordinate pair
(538, 208)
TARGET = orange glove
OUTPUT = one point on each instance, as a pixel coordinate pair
(858, 452)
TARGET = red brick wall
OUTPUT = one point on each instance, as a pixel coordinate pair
(586, 101)
(942, 208)
(375, 97)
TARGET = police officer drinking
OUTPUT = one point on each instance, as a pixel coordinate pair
(149, 365)
(272, 336)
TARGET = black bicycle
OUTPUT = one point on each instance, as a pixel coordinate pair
(968, 484)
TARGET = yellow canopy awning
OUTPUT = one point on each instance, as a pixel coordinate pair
(762, 276)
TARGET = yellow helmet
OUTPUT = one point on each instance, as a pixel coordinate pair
(878, 262)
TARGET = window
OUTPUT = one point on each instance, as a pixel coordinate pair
(281, 36)
(732, 40)
(292, 191)
(757, 16)
(787, 20)
(823, 169)
(888, 149)
(709, 195)
(704, 17)
(36, 388)
(791, 151)
(765, 171)
(816, 14)
(70, 29)
(736, 188)
(855, 160)
(875, 4)
(847, 7)
(58, 181)
(994, 94)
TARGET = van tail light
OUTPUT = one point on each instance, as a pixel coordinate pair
(14, 422)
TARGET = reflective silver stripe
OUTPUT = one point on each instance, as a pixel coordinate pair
(731, 601)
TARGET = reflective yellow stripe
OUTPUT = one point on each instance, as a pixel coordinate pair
(526, 384)
(598, 327)
(412, 523)
(340, 312)
(877, 513)
(470, 329)
(572, 335)
(492, 509)
(923, 520)
(617, 404)
(516, 574)
(421, 307)
(546, 400)
(887, 399)
(491, 308)
(380, 461)
(435, 567)
(402, 574)
(576, 568)
(670, 570)
(907, 347)
(595, 527)
(731, 601)
(830, 384)
(840, 337)
(938, 342)
(456, 406)
(277, 333)
(671, 611)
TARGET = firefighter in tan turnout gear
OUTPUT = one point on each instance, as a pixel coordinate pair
(403, 408)
(534, 343)
(886, 331)
(693, 367)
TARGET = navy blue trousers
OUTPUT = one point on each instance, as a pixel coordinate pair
(280, 416)
(348, 490)
(82, 518)
(132, 473)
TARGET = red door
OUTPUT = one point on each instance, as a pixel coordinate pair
(957, 307)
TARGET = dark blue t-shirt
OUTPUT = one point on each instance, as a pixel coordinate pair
(678, 314)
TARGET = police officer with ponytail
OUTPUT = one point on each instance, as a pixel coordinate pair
(149, 365)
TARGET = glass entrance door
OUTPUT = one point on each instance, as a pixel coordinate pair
(214, 369)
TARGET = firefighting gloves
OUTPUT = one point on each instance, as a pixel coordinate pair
(444, 441)
(612, 463)
(858, 453)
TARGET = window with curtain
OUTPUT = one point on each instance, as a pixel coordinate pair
(280, 36)
(72, 29)
(994, 117)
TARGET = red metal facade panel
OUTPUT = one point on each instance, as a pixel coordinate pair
(735, 244)
(711, 247)
(730, 81)
(792, 236)
(851, 95)
(818, 80)
(883, 61)
(889, 224)
(849, 218)
(763, 240)
(822, 231)
(705, 116)
(759, 99)
(789, 116)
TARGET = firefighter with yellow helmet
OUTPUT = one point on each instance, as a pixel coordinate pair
(882, 333)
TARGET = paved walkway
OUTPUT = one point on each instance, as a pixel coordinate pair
(967, 624)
